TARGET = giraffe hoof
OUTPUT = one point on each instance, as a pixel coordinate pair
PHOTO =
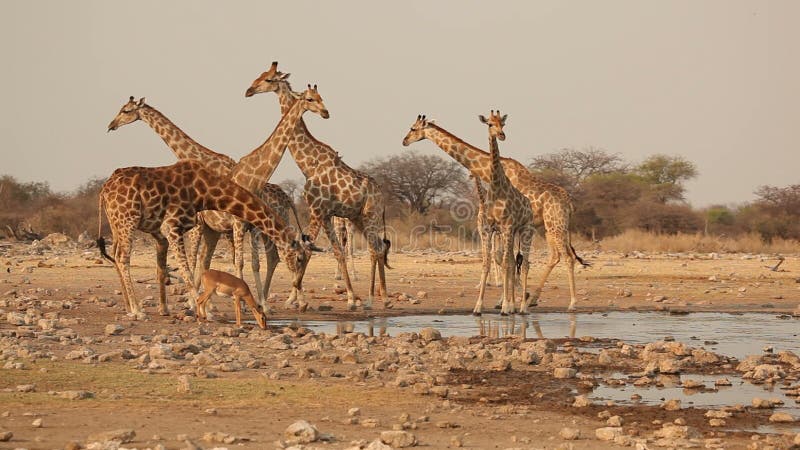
(504, 314)
(163, 312)
(476, 313)
(351, 307)
(303, 307)
(497, 307)
(388, 305)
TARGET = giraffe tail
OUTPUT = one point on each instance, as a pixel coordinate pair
(387, 244)
(101, 242)
(580, 260)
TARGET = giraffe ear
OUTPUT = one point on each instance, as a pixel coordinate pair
(503, 119)
(283, 76)
(482, 118)
(141, 101)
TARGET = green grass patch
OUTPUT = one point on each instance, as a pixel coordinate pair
(118, 383)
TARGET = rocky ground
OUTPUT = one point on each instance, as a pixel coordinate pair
(78, 373)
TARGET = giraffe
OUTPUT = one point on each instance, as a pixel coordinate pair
(334, 189)
(164, 202)
(510, 212)
(257, 166)
(344, 232)
(551, 204)
(213, 223)
(488, 233)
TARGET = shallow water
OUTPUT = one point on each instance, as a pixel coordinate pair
(741, 392)
(736, 335)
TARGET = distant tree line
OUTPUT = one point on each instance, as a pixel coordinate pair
(611, 195)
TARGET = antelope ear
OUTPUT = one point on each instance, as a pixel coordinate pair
(482, 118)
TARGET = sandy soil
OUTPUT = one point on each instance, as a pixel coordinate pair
(256, 396)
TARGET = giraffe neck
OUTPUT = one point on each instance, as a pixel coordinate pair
(475, 160)
(223, 194)
(310, 155)
(256, 168)
(500, 182)
(183, 146)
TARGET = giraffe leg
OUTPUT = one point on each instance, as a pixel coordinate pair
(171, 229)
(565, 247)
(208, 243)
(498, 258)
(486, 244)
(341, 232)
(339, 254)
(554, 256)
(351, 251)
(238, 252)
(509, 271)
(526, 237)
(371, 225)
(123, 240)
(162, 245)
(273, 258)
(191, 241)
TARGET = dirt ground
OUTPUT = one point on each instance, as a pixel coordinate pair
(254, 390)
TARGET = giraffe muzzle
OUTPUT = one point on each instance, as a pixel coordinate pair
(249, 92)
(501, 136)
(324, 113)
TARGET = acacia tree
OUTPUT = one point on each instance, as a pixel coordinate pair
(418, 181)
(569, 168)
(666, 176)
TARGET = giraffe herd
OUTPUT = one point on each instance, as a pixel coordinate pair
(189, 205)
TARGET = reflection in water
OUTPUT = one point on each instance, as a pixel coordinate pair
(348, 326)
(711, 397)
(518, 326)
(736, 335)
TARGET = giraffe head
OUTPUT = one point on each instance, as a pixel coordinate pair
(267, 81)
(495, 123)
(417, 131)
(296, 255)
(129, 113)
(312, 101)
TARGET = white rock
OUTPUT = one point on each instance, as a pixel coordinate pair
(398, 439)
(608, 433)
(301, 432)
(430, 334)
(377, 445)
(564, 372)
(781, 417)
(569, 434)
(581, 402)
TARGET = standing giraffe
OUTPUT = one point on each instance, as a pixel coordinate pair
(164, 202)
(509, 211)
(551, 204)
(213, 223)
(334, 189)
(344, 232)
(256, 167)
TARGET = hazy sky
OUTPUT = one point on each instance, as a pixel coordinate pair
(717, 82)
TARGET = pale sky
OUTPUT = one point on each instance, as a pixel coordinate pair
(717, 82)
